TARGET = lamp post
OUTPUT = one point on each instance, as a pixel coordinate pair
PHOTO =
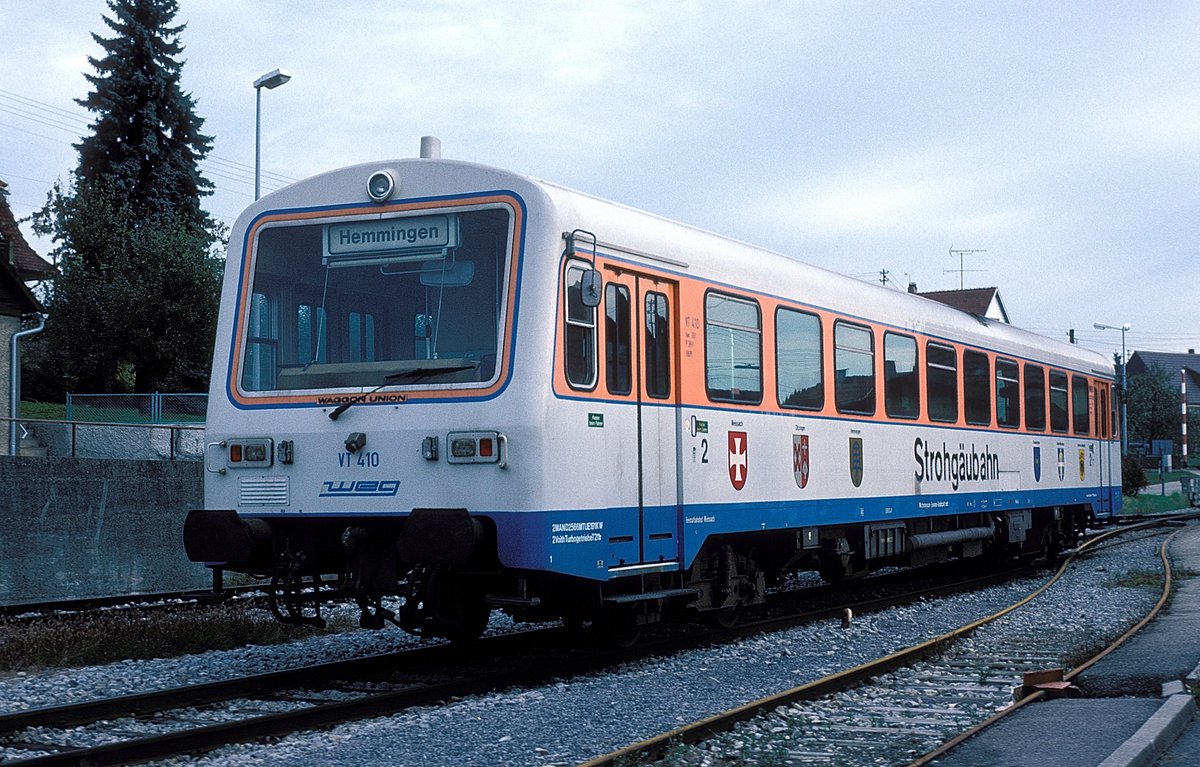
(270, 80)
(1124, 391)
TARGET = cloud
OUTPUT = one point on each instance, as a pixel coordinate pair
(933, 191)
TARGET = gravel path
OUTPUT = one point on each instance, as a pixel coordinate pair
(576, 719)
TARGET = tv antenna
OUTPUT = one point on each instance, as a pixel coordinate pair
(960, 252)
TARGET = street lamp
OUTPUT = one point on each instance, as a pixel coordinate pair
(270, 80)
(1124, 391)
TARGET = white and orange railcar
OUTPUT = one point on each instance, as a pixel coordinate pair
(476, 389)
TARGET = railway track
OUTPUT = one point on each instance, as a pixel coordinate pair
(202, 717)
(903, 704)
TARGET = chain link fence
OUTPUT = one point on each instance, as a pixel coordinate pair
(156, 408)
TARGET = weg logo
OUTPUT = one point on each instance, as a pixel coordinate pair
(362, 488)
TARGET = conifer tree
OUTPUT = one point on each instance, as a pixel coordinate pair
(146, 139)
(134, 306)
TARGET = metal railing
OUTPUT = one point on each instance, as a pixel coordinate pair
(96, 439)
(137, 408)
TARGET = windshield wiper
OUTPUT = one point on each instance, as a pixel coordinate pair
(396, 377)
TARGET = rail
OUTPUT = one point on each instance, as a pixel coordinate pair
(656, 748)
(67, 444)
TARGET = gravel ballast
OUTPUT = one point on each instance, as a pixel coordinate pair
(576, 719)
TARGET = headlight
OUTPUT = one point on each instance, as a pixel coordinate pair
(381, 185)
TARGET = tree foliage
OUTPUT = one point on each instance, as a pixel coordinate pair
(134, 305)
(1153, 406)
(1133, 476)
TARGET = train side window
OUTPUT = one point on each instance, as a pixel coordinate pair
(1114, 424)
(1060, 414)
(1008, 393)
(732, 349)
(977, 388)
(1035, 397)
(901, 381)
(361, 328)
(579, 330)
(854, 368)
(941, 382)
(658, 346)
(618, 354)
(800, 382)
(262, 344)
(1102, 412)
(310, 334)
(1079, 405)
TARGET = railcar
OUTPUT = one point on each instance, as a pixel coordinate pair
(477, 390)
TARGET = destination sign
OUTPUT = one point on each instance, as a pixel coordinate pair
(389, 235)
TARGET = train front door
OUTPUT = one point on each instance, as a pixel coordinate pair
(652, 328)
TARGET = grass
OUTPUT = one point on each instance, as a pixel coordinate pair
(137, 633)
(1153, 478)
(1137, 579)
(46, 411)
(55, 411)
(1152, 504)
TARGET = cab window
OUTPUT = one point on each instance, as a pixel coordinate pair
(579, 330)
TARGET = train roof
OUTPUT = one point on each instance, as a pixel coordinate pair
(740, 265)
(746, 266)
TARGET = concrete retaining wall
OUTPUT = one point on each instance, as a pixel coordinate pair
(135, 441)
(79, 527)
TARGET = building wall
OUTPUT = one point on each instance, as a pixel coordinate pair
(8, 326)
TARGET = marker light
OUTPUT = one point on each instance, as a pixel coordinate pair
(462, 447)
(474, 447)
(250, 453)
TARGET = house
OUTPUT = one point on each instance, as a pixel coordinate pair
(980, 302)
(19, 264)
(1171, 363)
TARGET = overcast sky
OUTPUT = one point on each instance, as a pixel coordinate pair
(1061, 138)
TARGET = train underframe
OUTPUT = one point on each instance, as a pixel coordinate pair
(444, 563)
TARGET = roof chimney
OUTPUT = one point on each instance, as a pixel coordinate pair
(912, 287)
(1191, 351)
(431, 148)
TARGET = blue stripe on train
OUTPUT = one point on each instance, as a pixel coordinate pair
(591, 543)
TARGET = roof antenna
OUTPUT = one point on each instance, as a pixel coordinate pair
(961, 271)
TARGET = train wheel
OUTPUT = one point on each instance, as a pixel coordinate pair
(835, 568)
(727, 617)
(1051, 545)
(620, 629)
(459, 612)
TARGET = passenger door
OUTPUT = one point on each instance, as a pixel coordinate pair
(651, 329)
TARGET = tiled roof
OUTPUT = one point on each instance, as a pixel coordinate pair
(1171, 363)
(28, 264)
(973, 300)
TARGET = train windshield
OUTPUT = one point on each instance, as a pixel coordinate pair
(409, 300)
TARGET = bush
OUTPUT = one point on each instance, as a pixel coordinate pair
(1133, 476)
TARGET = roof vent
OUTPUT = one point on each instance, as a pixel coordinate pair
(431, 148)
